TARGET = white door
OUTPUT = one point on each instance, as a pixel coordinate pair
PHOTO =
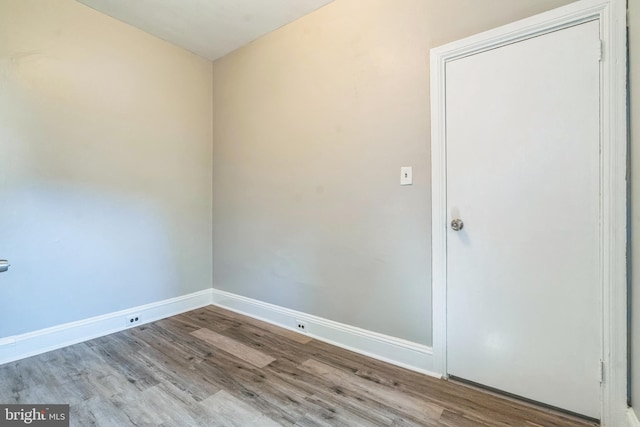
(523, 164)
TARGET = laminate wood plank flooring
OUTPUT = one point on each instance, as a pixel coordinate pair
(385, 395)
(241, 351)
(261, 326)
(213, 367)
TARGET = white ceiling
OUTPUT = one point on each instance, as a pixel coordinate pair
(209, 28)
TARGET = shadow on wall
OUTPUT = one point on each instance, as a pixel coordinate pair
(90, 228)
(79, 251)
(105, 173)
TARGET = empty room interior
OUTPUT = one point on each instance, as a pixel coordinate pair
(320, 213)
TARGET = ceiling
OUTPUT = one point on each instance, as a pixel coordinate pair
(209, 28)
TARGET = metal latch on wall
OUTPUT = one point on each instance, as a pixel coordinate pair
(4, 265)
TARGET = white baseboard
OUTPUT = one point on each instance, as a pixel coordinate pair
(632, 418)
(406, 354)
(44, 340)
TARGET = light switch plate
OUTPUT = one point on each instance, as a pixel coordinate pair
(406, 175)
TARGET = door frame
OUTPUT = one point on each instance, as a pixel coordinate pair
(613, 183)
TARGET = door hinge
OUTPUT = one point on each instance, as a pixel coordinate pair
(601, 372)
(600, 49)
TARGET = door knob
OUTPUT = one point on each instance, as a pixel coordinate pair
(457, 225)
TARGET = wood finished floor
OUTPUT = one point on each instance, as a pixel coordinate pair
(212, 367)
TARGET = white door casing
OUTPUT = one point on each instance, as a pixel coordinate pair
(611, 16)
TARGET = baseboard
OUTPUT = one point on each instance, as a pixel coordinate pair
(44, 340)
(407, 354)
(632, 418)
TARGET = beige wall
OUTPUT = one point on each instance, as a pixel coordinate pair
(105, 170)
(106, 163)
(311, 125)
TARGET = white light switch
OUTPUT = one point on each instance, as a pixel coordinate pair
(406, 175)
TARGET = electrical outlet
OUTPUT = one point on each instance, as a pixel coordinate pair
(301, 326)
(133, 319)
